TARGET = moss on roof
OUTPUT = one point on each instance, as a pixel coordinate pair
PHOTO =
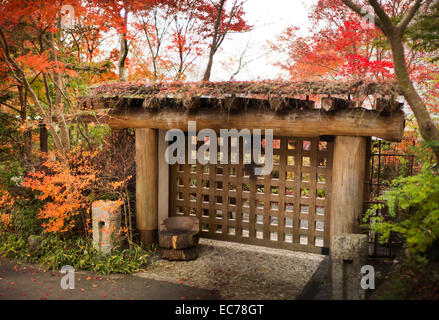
(273, 94)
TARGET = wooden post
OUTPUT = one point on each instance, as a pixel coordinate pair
(147, 184)
(348, 175)
(163, 167)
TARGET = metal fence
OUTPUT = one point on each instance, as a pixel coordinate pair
(384, 166)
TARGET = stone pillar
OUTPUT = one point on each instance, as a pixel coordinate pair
(106, 217)
(348, 254)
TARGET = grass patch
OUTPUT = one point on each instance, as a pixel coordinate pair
(55, 252)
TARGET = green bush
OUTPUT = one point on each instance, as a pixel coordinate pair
(413, 204)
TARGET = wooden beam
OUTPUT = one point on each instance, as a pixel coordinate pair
(302, 123)
(348, 174)
(331, 103)
(147, 184)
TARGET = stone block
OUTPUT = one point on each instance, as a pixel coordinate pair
(106, 216)
(348, 253)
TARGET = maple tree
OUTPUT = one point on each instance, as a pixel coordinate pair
(177, 33)
(34, 49)
(50, 53)
(345, 45)
(63, 188)
(68, 188)
(172, 35)
(394, 33)
(221, 21)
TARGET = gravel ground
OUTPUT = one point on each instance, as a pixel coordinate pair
(238, 271)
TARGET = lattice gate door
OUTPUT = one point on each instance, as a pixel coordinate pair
(288, 209)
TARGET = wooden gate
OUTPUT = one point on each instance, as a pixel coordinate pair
(287, 209)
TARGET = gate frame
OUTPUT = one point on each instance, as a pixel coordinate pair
(314, 170)
(151, 109)
(348, 171)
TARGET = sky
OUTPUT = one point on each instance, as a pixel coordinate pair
(269, 18)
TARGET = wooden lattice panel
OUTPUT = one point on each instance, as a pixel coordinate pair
(288, 208)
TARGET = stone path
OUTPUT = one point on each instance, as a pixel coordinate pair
(239, 271)
(224, 270)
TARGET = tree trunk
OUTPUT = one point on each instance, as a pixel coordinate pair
(123, 52)
(44, 146)
(215, 40)
(27, 135)
(206, 76)
(428, 130)
(58, 104)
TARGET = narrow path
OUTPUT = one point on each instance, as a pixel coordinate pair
(28, 282)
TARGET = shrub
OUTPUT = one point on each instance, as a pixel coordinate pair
(413, 203)
(65, 185)
(78, 252)
(69, 184)
(6, 205)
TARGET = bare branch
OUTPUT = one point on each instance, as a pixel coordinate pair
(10, 107)
(409, 15)
(356, 8)
(384, 18)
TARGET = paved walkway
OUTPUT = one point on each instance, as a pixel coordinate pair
(22, 281)
(223, 270)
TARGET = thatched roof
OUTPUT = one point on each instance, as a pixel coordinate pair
(276, 95)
